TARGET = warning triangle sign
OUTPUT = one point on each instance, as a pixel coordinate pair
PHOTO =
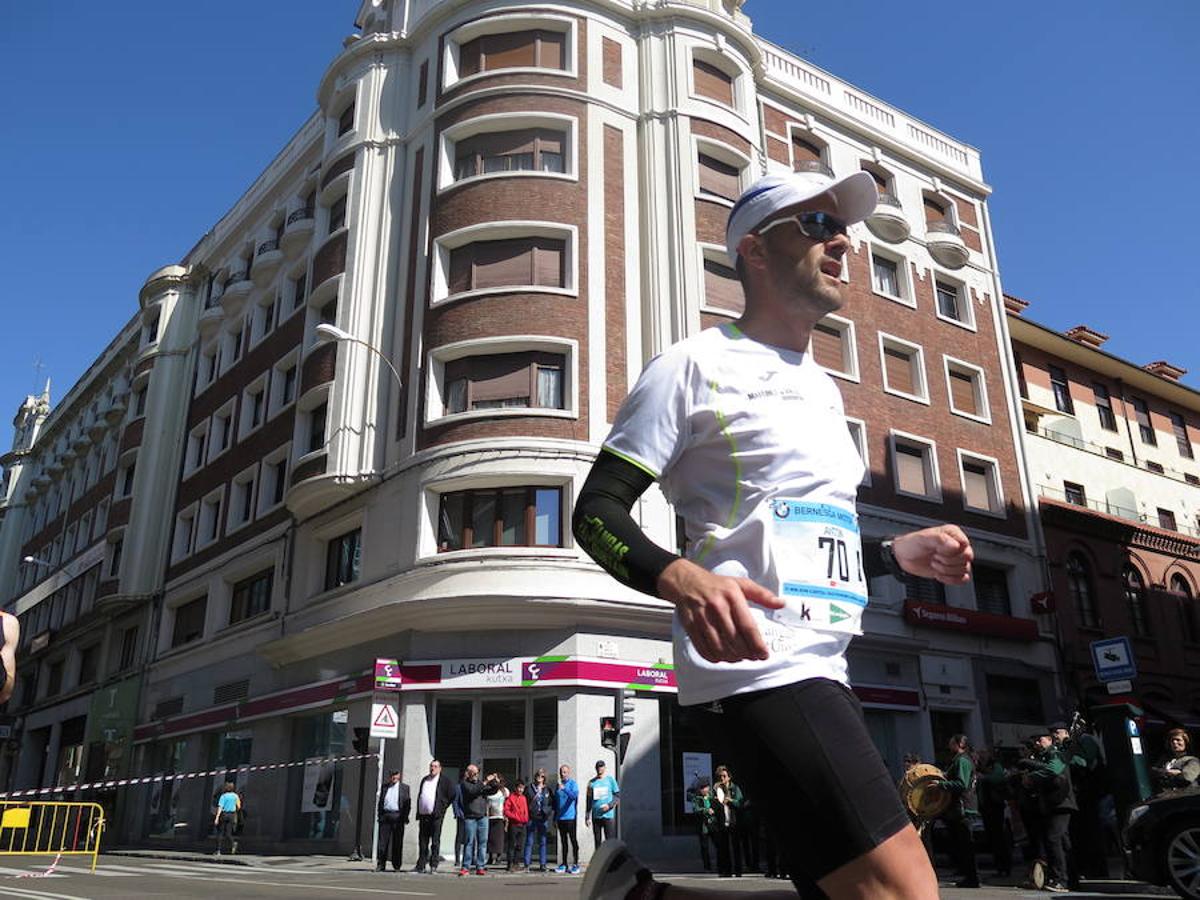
(384, 721)
(384, 718)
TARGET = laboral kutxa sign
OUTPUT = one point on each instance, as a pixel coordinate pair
(534, 671)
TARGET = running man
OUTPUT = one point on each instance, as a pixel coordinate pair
(747, 437)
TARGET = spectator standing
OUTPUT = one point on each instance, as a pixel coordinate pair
(566, 813)
(959, 780)
(475, 819)
(227, 806)
(992, 782)
(702, 806)
(460, 826)
(516, 816)
(541, 808)
(496, 825)
(1179, 768)
(727, 801)
(393, 810)
(434, 795)
(603, 797)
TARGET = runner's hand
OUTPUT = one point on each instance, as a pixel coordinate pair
(714, 610)
(943, 553)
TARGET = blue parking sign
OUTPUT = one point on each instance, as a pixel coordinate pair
(1113, 659)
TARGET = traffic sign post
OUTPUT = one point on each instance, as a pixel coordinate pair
(385, 720)
(1113, 660)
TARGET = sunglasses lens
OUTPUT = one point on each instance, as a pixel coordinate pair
(820, 226)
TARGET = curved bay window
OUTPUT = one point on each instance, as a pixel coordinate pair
(525, 150)
(1079, 583)
(536, 48)
(1135, 597)
(517, 262)
(500, 517)
(505, 380)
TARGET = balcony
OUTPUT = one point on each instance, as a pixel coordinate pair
(97, 430)
(82, 441)
(887, 222)
(115, 412)
(812, 165)
(297, 232)
(210, 318)
(946, 245)
(237, 289)
(267, 260)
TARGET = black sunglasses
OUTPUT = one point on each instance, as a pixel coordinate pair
(818, 226)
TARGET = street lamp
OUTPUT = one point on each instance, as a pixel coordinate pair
(326, 333)
(34, 561)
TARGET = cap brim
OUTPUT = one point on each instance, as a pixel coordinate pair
(855, 196)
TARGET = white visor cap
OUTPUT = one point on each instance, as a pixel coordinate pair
(854, 199)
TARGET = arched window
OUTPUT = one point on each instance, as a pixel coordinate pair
(1079, 583)
(1135, 597)
(1187, 608)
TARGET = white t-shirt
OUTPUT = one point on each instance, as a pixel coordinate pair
(749, 443)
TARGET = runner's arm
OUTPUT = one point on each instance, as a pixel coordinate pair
(605, 529)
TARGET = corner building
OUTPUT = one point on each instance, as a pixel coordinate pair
(517, 207)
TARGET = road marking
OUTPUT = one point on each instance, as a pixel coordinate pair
(100, 870)
(5, 870)
(293, 884)
(40, 895)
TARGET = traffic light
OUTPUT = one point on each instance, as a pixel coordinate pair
(608, 732)
(625, 709)
(362, 740)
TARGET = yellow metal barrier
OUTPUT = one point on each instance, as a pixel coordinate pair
(48, 828)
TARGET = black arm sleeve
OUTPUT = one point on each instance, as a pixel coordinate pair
(605, 529)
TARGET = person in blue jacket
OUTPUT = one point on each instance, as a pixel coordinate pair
(566, 813)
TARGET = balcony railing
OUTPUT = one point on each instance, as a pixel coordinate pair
(1112, 509)
(1099, 450)
(942, 227)
(298, 216)
(813, 165)
(888, 200)
(267, 247)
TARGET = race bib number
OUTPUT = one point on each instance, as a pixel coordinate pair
(818, 557)
(601, 793)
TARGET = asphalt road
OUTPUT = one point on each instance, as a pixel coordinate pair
(126, 877)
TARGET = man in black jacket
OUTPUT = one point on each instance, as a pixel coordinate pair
(394, 807)
(474, 801)
(434, 795)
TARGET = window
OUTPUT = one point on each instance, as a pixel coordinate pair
(1166, 519)
(1104, 407)
(1135, 598)
(197, 442)
(1145, 427)
(251, 596)
(287, 385)
(129, 641)
(718, 178)
(1190, 478)
(1062, 391)
(981, 484)
(914, 468)
(935, 210)
(505, 380)
(967, 389)
(903, 368)
(189, 622)
(1079, 584)
(514, 262)
(500, 517)
(1187, 611)
(316, 428)
(127, 476)
(422, 83)
(54, 678)
(139, 400)
(337, 216)
(807, 155)
(274, 480)
(952, 301)
(886, 276)
(1155, 467)
(210, 519)
(711, 82)
(254, 406)
(343, 559)
(222, 432)
(114, 560)
(722, 289)
(1114, 453)
(924, 590)
(89, 664)
(327, 314)
(346, 120)
(526, 150)
(185, 525)
(533, 49)
(858, 434)
(1179, 426)
(1074, 493)
(832, 346)
(150, 331)
(241, 504)
(210, 365)
(991, 589)
(299, 289)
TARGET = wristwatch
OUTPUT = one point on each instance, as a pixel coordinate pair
(887, 555)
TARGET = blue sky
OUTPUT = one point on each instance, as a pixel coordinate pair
(131, 127)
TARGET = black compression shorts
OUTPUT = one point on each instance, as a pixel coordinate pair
(803, 754)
